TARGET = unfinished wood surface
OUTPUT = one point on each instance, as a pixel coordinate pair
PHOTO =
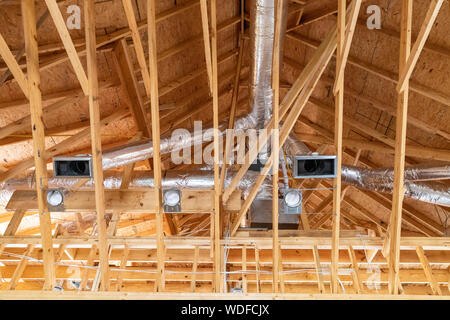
(31, 48)
(394, 232)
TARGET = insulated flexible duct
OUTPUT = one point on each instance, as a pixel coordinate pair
(419, 180)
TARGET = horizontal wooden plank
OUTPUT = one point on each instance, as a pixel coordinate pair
(194, 201)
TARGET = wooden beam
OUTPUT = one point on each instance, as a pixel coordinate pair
(410, 150)
(234, 101)
(413, 57)
(95, 126)
(123, 264)
(356, 272)
(348, 37)
(382, 106)
(13, 66)
(89, 263)
(428, 272)
(194, 268)
(25, 122)
(20, 268)
(21, 51)
(276, 141)
(319, 270)
(395, 225)
(338, 131)
(429, 92)
(139, 291)
(68, 43)
(257, 268)
(154, 96)
(215, 222)
(31, 48)
(13, 226)
(139, 49)
(207, 42)
(244, 270)
(124, 66)
(138, 201)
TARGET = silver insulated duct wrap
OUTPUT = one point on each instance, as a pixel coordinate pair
(419, 182)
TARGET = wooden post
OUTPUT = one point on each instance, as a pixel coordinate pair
(217, 195)
(37, 125)
(154, 95)
(400, 142)
(276, 143)
(338, 124)
(94, 113)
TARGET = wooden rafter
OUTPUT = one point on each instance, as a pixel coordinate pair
(348, 37)
(413, 57)
(207, 42)
(124, 66)
(423, 90)
(139, 49)
(13, 66)
(60, 24)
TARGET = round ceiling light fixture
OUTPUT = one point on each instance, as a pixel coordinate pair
(292, 198)
(172, 197)
(55, 197)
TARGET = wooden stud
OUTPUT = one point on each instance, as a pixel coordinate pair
(215, 225)
(356, 273)
(319, 271)
(257, 268)
(94, 114)
(85, 271)
(123, 265)
(244, 270)
(154, 96)
(276, 142)
(31, 48)
(338, 125)
(395, 224)
(194, 268)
